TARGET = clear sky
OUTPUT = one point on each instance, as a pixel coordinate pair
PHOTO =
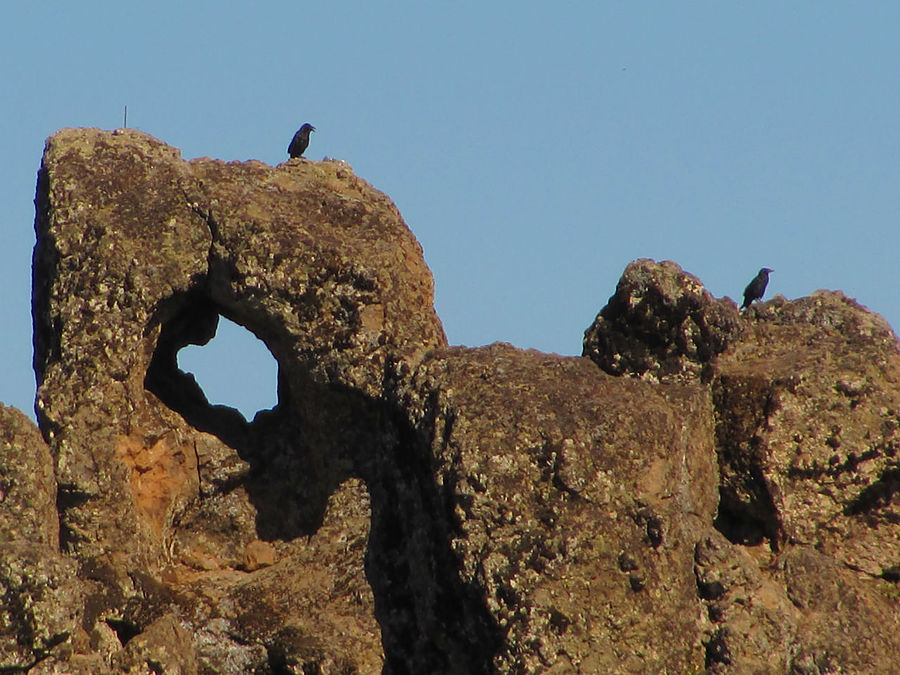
(533, 148)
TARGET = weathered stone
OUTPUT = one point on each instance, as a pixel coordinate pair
(258, 554)
(548, 472)
(27, 484)
(40, 598)
(116, 239)
(163, 647)
(661, 325)
(808, 409)
(313, 609)
(138, 254)
(41, 603)
(752, 625)
(410, 507)
(806, 398)
(850, 621)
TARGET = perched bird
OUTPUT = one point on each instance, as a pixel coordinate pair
(300, 140)
(757, 287)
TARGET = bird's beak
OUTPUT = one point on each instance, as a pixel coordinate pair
(312, 128)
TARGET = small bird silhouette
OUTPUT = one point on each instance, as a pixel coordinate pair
(300, 140)
(757, 287)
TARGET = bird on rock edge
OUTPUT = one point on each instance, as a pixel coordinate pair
(300, 140)
(757, 287)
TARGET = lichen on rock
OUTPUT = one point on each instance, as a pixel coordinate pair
(805, 397)
(661, 325)
(707, 491)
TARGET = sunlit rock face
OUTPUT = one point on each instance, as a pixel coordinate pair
(704, 491)
(138, 254)
(806, 399)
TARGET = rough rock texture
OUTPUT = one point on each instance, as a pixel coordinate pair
(809, 428)
(252, 534)
(40, 599)
(727, 506)
(571, 500)
(806, 397)
(660, 325)
(27, 484)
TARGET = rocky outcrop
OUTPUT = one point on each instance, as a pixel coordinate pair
(571, 499)
(805, 396)
(661, 325)
(41, 600)
(808, 428)
(252, 534)
(717, 495)
(27, 483)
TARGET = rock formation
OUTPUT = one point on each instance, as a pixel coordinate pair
(703, 491)
(661, 325)
(806, 398)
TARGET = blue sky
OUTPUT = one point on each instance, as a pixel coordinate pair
(534, 150)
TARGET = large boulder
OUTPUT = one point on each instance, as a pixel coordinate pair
(41, 601)
(808, 430)
(805, 395)
(27, 484)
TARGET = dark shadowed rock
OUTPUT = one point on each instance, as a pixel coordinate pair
(661, 325)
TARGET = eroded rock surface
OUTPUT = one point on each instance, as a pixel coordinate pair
(717, 496)
(806, 395)
(253, 533)
(41, 601)
(572, 500)
(27, 483)
(661, 325)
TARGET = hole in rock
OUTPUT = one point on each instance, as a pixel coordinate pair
(125, 630)
(235, 369)
(319, 435)
(745, 523)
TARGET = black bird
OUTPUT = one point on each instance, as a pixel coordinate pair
(300, 140)
(757, 287)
